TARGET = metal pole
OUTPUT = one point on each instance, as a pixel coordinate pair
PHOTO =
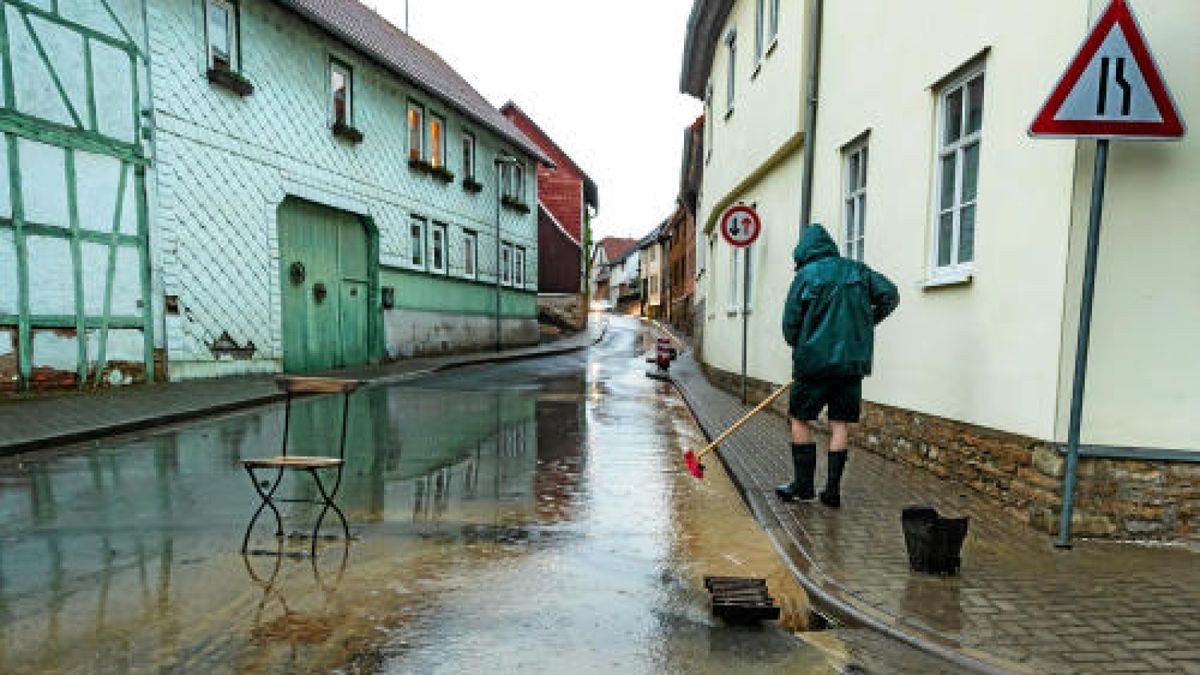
(745, 309)
(1081, 346)
(497, 165)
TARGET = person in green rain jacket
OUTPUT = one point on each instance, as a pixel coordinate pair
(829, 322)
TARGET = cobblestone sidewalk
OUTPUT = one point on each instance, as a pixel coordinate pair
(1101, 607)
(60, 419)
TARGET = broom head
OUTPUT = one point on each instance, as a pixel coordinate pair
(694, 466)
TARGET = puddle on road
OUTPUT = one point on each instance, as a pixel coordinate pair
(528, 517)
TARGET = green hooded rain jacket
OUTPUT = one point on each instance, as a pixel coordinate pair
(832, 308)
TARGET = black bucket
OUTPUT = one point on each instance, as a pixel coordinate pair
(934, 543)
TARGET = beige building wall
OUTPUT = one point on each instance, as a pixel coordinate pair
(752, 156)
(1144, 362)
(986, 351)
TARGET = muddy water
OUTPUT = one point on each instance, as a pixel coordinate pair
(529, 517)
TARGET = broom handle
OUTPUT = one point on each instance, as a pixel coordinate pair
(745, 418)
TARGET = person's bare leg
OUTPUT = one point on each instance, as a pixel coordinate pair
(839, 435)
(801, 431)
(804, 462)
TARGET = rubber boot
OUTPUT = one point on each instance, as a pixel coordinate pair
(804, 463)
(832, 494)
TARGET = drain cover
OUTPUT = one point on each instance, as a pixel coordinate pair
(741, 599)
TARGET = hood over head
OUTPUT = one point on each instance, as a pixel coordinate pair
(814, 245)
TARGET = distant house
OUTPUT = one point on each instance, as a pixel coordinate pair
(567, 201)
(606, 276)
(680, 234)
(650, 253)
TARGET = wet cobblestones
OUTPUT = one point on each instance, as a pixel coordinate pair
(1101, 607)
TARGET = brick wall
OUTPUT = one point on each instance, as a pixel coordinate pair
(1117, 499)
(225, 163)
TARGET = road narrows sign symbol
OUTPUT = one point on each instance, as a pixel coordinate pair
(740, 225)
(1112, 88)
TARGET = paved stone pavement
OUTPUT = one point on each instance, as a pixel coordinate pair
(49, 420)
(1018, 604)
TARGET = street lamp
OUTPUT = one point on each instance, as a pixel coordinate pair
(511, 161)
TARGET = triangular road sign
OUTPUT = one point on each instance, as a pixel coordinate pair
(1112, 89)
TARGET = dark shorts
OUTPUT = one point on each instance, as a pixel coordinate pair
(842, 395)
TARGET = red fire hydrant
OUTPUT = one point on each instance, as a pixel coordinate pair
(664, 353)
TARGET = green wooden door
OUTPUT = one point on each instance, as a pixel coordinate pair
(324, 272)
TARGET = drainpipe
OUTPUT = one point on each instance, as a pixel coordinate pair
(811, 79)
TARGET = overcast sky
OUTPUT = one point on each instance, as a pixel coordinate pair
(601, 78)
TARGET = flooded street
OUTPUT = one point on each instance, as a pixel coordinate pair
(532, 516)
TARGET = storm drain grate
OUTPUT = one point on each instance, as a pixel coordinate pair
(741, 599)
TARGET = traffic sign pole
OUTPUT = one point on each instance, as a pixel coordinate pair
(1081, 346)
(745, 310)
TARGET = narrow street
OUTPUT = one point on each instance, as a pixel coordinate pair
(530, 516)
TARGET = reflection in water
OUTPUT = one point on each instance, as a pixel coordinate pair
(126, 550)
(512, 511)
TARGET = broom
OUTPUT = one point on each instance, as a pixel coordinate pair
(692, 459)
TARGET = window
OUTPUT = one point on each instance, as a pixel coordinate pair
(737, 258)
(760, 28)
(437, 247)
(772, 22)
(437, 141)
(341, 85)
(468, 156)
(518, 266)
(221, 23)
(960, 112)
(505, 263)
(470, 242)
(417, 241)
(730, 79)
(416, 126)
(855, 200)
(512, 178)
(708, 121)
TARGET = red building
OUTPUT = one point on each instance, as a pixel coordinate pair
(567, 200)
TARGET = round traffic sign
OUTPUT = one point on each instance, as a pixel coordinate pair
(740, 225)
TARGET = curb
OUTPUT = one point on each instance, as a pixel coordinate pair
(142, 424)
(833, 597)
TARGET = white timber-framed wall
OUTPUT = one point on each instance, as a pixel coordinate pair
(228, 161)
(75, 300)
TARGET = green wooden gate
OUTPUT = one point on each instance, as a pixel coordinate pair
(74, 266)
(326, 276)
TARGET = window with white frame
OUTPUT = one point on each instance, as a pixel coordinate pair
(518, 266)
(708, 121)
(416, 133)
(512, 179)
(470, 252)
(468, 156)
(222, 33)
(737, 275)
(760, 29)
(416, 241)
(960, 132)
(772, 22)
(341, 87)
(854, 200)
(505, 263)
(437, 247)
(437, 141)
(730, 78)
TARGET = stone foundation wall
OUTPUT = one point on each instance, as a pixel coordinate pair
(1114, 498)
(566, 310)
